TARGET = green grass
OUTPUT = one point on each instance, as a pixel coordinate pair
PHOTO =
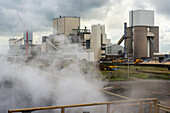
(116, 79)
(140, 76)
(138, 72)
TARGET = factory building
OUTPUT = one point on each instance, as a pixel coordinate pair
(92, 42)
(114, 49)
(99, 41)
(81, 36)
(142, 37)
(162, 57)
(14, 46)
(19, 47)
(65, 25)
(53, 43)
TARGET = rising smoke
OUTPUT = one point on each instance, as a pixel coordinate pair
(49, 80)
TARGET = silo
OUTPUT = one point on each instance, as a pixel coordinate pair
(96, 41)
(140, 41)
(144, 36)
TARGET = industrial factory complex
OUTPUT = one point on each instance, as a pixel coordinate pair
(140, 39)
(77, 69)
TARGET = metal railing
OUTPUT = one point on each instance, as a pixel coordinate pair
(164, 108)
(116, 95)
(160, 106)
(108, 106)
(152, 102)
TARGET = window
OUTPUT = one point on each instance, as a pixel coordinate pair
(109, 50)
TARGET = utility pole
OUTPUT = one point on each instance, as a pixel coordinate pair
(125, 49)
(128, 67)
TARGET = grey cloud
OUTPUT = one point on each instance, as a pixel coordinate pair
(12, 4)
(140, 4)
(38, 14)
(7, 23)
(82, 8)
(161, 6)
(165, 48)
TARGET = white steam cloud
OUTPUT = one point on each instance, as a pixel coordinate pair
(24, 85)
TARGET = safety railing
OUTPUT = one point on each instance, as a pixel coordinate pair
(164, 108)
(122, 103)
(122, 107)
(116, 95)
(161, 107)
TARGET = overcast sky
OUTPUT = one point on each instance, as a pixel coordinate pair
(38, 15)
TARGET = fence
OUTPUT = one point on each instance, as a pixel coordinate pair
(122, 104)
(154, 107)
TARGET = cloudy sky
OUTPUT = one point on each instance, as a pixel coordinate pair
(38, 15)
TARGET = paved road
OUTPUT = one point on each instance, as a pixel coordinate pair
(143, 89)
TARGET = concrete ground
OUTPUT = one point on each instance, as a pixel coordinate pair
(140, 88)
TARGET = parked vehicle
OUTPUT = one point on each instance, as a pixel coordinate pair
(138, 60)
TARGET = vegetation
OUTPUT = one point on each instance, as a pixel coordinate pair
(137, 72)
